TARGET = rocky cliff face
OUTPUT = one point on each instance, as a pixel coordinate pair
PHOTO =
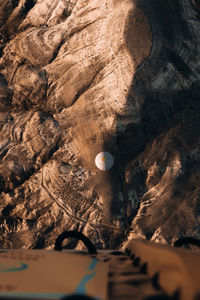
(82, 77)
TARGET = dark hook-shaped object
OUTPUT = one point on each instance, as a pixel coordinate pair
(75, 235)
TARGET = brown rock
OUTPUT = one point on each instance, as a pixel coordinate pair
(83, 77)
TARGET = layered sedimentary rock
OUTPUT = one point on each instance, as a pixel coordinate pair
(82, 77)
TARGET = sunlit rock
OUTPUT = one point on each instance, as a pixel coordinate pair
(85, 77)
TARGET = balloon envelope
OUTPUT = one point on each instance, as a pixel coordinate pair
(104, 161)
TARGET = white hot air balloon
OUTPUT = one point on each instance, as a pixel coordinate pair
(104, 161)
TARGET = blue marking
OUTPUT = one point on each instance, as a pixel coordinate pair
(81, 288)
(93, 264)
(5, 268)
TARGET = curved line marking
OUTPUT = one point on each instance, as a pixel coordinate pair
(13, 268)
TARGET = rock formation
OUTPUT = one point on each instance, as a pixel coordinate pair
(82, 77)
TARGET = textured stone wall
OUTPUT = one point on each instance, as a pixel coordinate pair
(82, 77)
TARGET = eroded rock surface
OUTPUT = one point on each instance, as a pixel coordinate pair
(82, 77)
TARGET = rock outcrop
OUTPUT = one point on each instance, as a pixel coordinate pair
(82, 77)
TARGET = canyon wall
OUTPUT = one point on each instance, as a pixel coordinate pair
(82, 77)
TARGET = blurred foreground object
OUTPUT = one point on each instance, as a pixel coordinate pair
(145, 271)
